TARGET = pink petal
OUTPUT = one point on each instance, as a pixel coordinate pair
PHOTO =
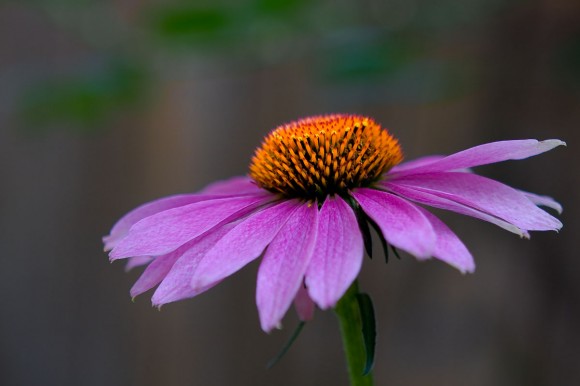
(282, 270)
(134, 262)
(168, 230)
(233, 186)
(304, 305)
(444, 203)
(448, 247)
(485, 195)
(121, 228)
(546, 201)
(155, 272)
(338, 253)
(416, 163)
(487, 154)
(402, 223)
(244, 243)
(177, 283)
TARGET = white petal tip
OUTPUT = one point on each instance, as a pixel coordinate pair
(556, 207)
(466, 271)
(552, 143)
(114, 256)
(267, 328)
(110, 242)
(326, 305)
(423, 257)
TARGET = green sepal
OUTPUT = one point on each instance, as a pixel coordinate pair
(396, 252)
(363, 225)
(287, 346)
(369, 331)
(381, 237)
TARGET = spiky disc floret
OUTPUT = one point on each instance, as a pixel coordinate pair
(319, 156)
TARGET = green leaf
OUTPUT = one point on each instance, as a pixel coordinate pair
(189, 22)
(281, 7)
(369, 331)
(85, 100)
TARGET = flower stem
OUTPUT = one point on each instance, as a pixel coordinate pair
(349, 316)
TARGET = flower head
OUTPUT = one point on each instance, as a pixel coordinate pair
(322, 156)
(309, 185)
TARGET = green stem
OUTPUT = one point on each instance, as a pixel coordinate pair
(349, 317)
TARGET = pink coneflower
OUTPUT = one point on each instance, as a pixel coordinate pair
(313, 187)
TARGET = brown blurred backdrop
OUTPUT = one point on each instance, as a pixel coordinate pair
(106, 104)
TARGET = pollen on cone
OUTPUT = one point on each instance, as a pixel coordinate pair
(323, 155)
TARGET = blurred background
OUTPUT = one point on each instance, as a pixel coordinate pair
(107, 104)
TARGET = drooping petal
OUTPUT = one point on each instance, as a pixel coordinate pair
(304, 305)
(546, 201)
(121, 228)
(485, 195)
(487, 154)
(444, 203)
(176, 285)
(244, 243)
(338, 253)
(235, 185)
(402, 224)
(282, 270)
(448, 247)
(154, 273)
(168, 230)
(134, 262)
